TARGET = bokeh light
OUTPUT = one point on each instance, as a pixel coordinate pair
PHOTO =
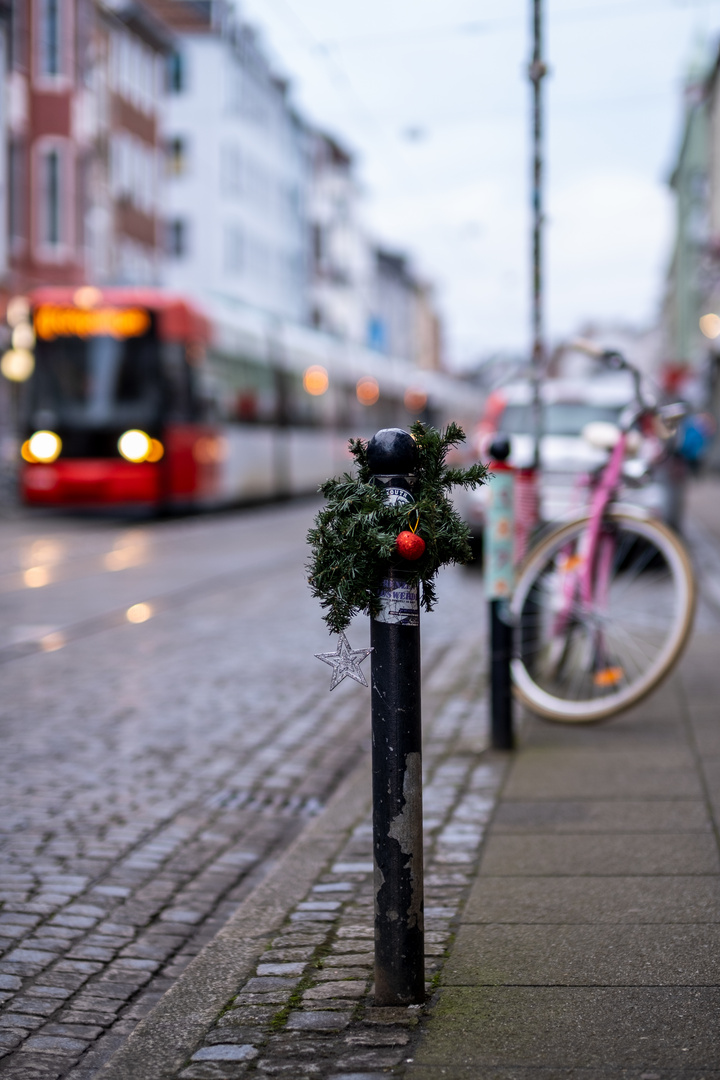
(44, 446)
(17, 365)
(315, 380)
(87, 296)
(710, 325)
(134, 445)
(415, 399)
(368, 390)
(18, 310)
(139, 613)
(36, 576)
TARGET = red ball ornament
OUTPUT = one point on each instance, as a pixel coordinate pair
(410, 545)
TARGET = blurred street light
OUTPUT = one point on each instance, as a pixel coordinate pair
(17, 365)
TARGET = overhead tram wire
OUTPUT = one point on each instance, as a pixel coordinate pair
(337, 73)
(479, 27)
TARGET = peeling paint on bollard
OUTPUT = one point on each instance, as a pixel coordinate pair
(406, 828)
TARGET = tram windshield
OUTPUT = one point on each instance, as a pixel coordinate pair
(95, 382)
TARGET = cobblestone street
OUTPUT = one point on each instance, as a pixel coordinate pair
(166, 734)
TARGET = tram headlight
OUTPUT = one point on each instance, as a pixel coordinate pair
(135, 445)
(43, 446)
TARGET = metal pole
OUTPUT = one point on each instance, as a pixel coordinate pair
(501, 643)
(499, 583)
(537, 72)
(397, 754)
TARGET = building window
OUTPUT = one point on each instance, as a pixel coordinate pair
(234, 250)
(177, 240)
(176, 73)
(54, 213)
(17, 188)
(50, 37)
(176, 156)
(318, 247)
(231, 172)
(19, 36)
(51, 197)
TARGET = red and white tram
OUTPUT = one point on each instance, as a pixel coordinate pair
(139, 398)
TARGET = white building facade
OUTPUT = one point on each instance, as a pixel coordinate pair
(237, 172)
(341, 253)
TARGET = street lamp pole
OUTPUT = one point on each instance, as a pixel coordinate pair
(537, 72)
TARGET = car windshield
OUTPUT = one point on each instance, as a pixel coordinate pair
(559, 418)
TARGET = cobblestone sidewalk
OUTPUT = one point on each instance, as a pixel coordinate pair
(305, 1010)
(90, 954)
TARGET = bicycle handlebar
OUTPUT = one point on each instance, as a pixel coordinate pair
(614, 359)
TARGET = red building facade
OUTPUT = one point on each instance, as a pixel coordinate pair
(84, 157)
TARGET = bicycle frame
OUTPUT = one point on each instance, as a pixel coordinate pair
(592, 572)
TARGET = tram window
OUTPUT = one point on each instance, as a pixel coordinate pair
(248, 391)
(177, 396)
(96, 382)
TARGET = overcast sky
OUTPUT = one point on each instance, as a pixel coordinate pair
(432, 96)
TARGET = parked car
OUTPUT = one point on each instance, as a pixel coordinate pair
(566, 407)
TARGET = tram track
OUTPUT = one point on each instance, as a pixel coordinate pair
(53, 639)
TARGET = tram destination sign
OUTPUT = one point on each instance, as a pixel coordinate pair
(52, 321)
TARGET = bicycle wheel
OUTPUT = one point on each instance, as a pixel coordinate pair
(579, 659)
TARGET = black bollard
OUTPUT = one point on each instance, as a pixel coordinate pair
(499, 583)
(397, 754)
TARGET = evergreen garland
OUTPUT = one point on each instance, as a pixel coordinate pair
(353, 536)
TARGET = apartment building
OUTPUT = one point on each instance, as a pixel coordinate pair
(237, 167)
(84, 85)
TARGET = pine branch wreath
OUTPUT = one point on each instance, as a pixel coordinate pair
(353, 536)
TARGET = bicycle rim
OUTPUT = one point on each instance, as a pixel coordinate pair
(583, 660)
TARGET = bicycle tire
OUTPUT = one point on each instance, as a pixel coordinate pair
(663, 582)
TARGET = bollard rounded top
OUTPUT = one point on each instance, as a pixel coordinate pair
(499, 448)
(392, 450)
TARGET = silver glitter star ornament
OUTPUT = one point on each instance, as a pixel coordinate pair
(345, 662)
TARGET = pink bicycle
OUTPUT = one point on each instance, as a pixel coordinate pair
(604, 603)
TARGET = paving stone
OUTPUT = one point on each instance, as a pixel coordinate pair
(226, 1052)
(296, 940)
(317, 1021)
(269, 984)
(75, 922)
(37, 1006)
(375, 1059)
(275, 997)
(619, 855)
(358, 1076)
(87, 1016)
(30, 956)
(86, 967)
(282, 956)
(53, 1044)
(336, 989)
(15, 1020)
(208, 1070)
(77, 1031)
(343, 974)
(355, 959)
(281, 969)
